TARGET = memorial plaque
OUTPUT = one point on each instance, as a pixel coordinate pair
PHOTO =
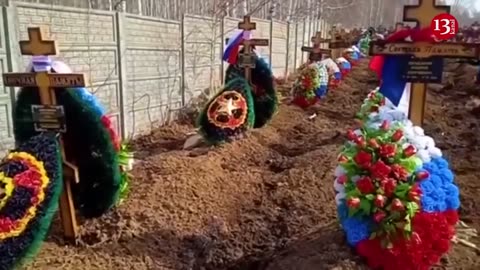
(424, 70)
(246, 60)
(49, 118)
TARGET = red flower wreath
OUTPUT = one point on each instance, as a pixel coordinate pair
(431, 239)
(107, 123)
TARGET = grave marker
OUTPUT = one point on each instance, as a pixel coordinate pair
(315, 52)
(338, 42)
(246, 59)
(48, 116)
(426, 64)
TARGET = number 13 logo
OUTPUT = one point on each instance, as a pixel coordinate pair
(444, 26)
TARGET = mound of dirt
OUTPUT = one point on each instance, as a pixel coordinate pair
(264, 202)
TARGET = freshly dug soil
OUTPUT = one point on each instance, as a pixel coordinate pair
(264, 202)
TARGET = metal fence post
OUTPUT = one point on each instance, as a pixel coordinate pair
(122, 71)
(295, 52)
(222, 48)
(287, 49)
(270, 44)
(303, 38)
(182, 58)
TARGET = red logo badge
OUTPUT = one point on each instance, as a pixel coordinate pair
(444, 26)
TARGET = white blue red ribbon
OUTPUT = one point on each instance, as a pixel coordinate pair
(230, 54)
(41, 63)
(390, 68)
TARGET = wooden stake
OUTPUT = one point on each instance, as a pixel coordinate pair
(47, 83)
(416, 109)
(422, 14)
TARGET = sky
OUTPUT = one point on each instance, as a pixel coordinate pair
(477, 3)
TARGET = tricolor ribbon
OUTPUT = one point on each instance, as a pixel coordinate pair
(389, 69)
(230, 54)
(41, 63)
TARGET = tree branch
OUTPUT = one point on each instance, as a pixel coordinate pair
(339, 7)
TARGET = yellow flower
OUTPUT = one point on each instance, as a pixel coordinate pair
(8, 188)
(36, 165)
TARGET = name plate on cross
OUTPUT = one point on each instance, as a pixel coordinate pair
(49, 118)
(425, 49)
(246, 60)
(55, 80)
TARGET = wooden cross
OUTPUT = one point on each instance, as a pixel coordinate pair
(315, 52)
(424, 12)
(47, 83)
(247, 58)
(246, 24)
(422, 68)
(338, 42)
(317, 40)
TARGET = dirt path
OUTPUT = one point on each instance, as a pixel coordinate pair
(237, 205)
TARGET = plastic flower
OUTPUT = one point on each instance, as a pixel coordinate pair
(398, 201)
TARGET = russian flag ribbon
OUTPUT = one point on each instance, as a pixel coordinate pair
(390, 68)
(230, 54)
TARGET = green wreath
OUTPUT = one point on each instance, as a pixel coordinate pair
(86, 140)
(30, 185)
(228, 114)
(265, 98)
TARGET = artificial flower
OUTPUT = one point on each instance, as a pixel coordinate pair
(399, 172)
(409, 151)
(363, 159)
(380, 170)
(353, 202)
(388, 150)
(407, 220)
(380, 201)
(365, 185)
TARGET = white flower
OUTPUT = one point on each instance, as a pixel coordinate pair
(339, 170)
(408, 124)
(339, 198)
(408, 131)
(435, 152)
(430, 142)
(424, 155)
(419, 131)
(357, 132)
(419, 142)
(340, 188)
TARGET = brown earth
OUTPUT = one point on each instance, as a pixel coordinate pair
(263, 203)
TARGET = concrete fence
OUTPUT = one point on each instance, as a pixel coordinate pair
(143, 69)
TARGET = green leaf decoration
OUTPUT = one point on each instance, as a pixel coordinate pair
(366, 206)
(410, 164)
(412, 208)
(353, 211)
